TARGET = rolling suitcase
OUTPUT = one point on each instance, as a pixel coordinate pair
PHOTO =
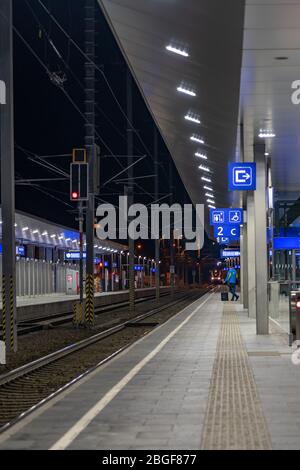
(224, 296)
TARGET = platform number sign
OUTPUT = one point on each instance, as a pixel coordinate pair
(227, 231)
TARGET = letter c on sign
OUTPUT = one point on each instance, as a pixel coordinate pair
(2, 92)
(233, 232)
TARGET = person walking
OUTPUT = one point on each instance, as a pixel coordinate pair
(231, 281)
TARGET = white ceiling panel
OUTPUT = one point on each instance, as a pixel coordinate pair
(212, 32)
(272, 30)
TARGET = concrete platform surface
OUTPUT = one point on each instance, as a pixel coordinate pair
(203, 380)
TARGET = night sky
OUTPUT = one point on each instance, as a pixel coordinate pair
(46, 123)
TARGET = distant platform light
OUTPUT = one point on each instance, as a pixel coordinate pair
(211, 196)
(266, 134)
(186, 91)
(207, 188)
(177, 50)
(211, 206)
(210, 201)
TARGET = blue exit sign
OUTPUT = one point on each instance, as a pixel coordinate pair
(242, 176)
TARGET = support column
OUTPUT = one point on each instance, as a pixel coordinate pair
(251, 258)
(244, 232)
(9, 314)
(157, 242)
(261, 259)
(242, 281)
(130, 191)
(244, 266)
(172, 254)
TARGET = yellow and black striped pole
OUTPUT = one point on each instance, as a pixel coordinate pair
(11, 314)
(9, 326)
(3, 309)
(90, 144)
(89, 303)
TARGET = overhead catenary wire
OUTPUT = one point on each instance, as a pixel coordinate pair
(39, 160)
(74, 43)
(66, 64)
(46, 69)
(106, 81)
(74, 105)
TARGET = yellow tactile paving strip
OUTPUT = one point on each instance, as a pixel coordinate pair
(234, 416)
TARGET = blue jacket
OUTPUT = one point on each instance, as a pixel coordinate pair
(231, 277)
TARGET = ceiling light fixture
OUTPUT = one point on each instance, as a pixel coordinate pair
(192, 118)
(210, 195)
(186, 91)
(197, 139)
(204, 168)
(207, 188)
(210, 201)
(211, 206)
(176, 50)
(201, 155)
(208, 180)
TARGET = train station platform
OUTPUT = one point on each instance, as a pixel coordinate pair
(203, 380)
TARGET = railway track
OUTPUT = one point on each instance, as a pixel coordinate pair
(44, 322)
(26, 388)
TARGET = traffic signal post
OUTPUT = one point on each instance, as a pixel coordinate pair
(79, 178)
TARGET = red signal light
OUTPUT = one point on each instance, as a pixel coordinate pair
(298, 304)
(74, 195)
